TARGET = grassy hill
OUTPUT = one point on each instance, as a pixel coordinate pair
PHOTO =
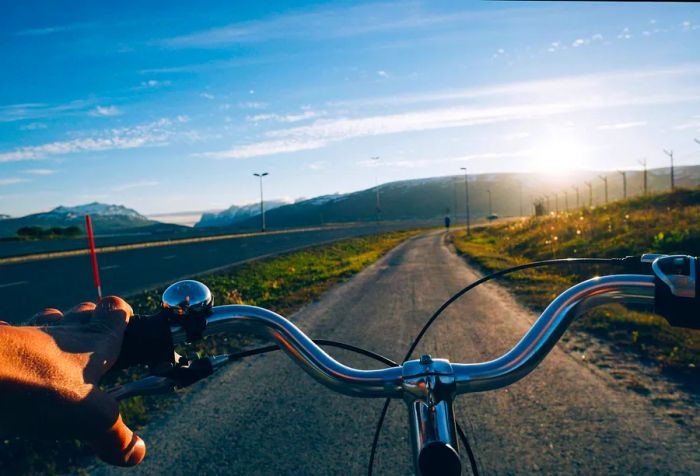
(665, 223)
(433, 198)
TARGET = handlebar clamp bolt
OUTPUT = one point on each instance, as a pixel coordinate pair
(426, 359)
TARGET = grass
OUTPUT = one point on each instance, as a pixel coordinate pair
(663, 223)
(283, 284)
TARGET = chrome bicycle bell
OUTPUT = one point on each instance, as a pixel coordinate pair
(187, 297)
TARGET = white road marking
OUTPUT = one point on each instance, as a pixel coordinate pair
(111, 266)
(170, 257)
(16, 283)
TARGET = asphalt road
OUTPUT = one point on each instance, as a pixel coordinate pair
(27, 287)
(264, 416)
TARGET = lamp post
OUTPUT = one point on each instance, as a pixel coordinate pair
(604, 178)
(590, 194)
(578, 201)
(624, 183)
(262, 206)
(466, 199)
(670, 155)
(488, 190)
(643, 163)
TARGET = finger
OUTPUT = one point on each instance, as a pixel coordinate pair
(79, 314)
(113, 313)
(46, 317)
(119, 445)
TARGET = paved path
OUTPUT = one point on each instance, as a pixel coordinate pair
(265, 417)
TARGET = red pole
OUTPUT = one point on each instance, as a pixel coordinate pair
(93, 257)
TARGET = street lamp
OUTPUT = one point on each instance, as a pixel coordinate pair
(624, 183)
(670, 155)
(488, 190)
(262, 207)
(466, 198)
(604, 178)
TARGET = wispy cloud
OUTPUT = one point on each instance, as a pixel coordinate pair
(305, 115)
(129, 186)
(24, 111)
(105, 111)
(39, 171)
(50, 30)
(150, 134)
(12, 181)
(325, 23)
(423, 163)
(621, 125)
(33, 126)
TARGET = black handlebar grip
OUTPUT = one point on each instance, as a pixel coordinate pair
(677, 310)
(147, 340)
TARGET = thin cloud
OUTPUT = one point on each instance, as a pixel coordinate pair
(105, 111)
(621, 125)
(51, 30)
(308, 114)
(26, 111)
(39, 171)
(129, 186)
(150, 134)
(324, 23)
(12, 181)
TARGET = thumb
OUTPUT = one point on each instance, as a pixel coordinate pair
(119, 445)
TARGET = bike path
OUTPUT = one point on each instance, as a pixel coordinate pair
(264, 416)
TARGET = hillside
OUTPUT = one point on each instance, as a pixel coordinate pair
(433, 198)
(235, 214)
(106, 219)
(663, 223)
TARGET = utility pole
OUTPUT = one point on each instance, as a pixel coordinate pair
(376, 189)
(488, 190)
(590, 194)
(643, 163)
(624, 183)
(604, 178)
(556, 203)
(466, 199)
(670, 155)
(566, 201)
(262, 206)
(578, 202)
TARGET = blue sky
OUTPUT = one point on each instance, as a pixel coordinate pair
(171, 106)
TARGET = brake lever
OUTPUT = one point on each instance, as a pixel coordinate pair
(181, 375)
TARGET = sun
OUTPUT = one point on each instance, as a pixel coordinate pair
(559, 154)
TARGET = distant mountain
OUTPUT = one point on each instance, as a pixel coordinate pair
(235, 214)
(105, 218)
(437, 197)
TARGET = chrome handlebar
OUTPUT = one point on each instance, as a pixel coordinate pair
(474, 377)
(427, 385)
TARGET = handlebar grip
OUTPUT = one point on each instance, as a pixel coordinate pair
(147, 340)
(678, 299)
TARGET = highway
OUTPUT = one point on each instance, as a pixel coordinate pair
(27, 287)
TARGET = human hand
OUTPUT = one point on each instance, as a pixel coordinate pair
(49, 375)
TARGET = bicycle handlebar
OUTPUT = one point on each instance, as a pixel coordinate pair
(427, 385)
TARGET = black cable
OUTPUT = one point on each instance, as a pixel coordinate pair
(468, 448)
(329, 343)
(460, 293)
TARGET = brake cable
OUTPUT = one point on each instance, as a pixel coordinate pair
(445, 305)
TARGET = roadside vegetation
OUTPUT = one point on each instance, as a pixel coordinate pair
(283, 284)
(664, 223)
(29, 233)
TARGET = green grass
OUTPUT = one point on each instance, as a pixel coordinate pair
(663, 223)
(283, 284)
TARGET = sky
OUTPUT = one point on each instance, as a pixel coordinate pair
(167, 106)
